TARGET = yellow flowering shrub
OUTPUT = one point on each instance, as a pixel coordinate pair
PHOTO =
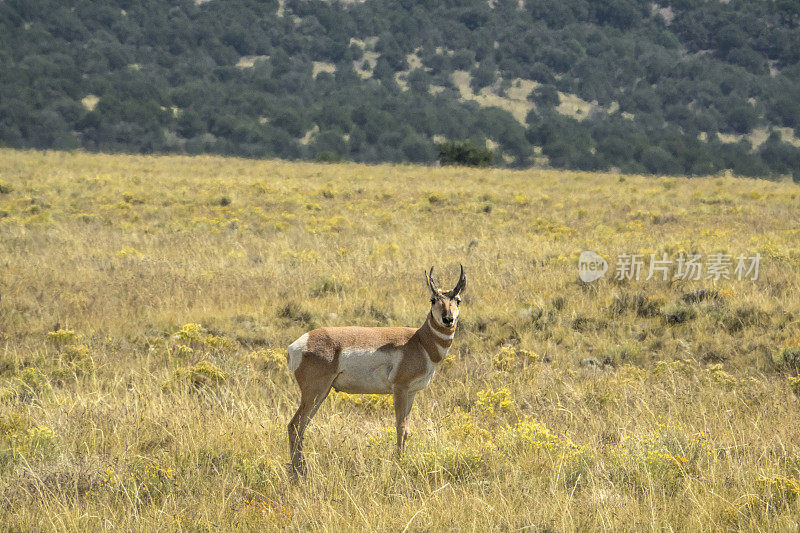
(493, 401)
(510, 358)
(779, 489)
(202, 374)
(367, 401)
(61, 337)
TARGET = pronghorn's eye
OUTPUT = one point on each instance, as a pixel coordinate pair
(458, 300)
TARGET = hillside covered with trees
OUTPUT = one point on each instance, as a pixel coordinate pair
(679, 87)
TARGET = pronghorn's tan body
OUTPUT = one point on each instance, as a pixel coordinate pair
(358, 360)
(375, 360)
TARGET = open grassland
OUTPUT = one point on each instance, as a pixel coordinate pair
(147, 303)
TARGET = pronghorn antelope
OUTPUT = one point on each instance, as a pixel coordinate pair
(358, 360)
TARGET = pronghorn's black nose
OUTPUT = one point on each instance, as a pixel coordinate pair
(448, 320)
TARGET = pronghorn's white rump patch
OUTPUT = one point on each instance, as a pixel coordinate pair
(296, 350)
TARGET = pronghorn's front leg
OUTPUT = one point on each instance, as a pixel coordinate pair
(403, 401)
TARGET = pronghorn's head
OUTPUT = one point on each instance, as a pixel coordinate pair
(444, 305)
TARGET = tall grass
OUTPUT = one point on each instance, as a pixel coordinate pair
(146, 303)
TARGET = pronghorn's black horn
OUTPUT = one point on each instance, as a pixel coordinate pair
(431, 282)
(462, 282)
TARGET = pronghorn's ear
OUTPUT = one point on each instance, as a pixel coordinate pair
(462, 282)
(431, 283)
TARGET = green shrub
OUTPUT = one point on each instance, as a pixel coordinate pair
(448, 462)
(678, 313)
(744, 316)
(787, 359)
(324, 286)
(31, 383)
(464, 153)
(794, 383)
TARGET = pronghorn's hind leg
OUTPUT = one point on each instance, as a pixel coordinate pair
(315, 378)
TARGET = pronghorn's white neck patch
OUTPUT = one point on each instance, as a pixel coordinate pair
(443, 336)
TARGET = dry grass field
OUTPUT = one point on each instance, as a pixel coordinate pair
(146, 303)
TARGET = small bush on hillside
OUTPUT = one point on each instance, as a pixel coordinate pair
(545, 96)
(464, 153)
